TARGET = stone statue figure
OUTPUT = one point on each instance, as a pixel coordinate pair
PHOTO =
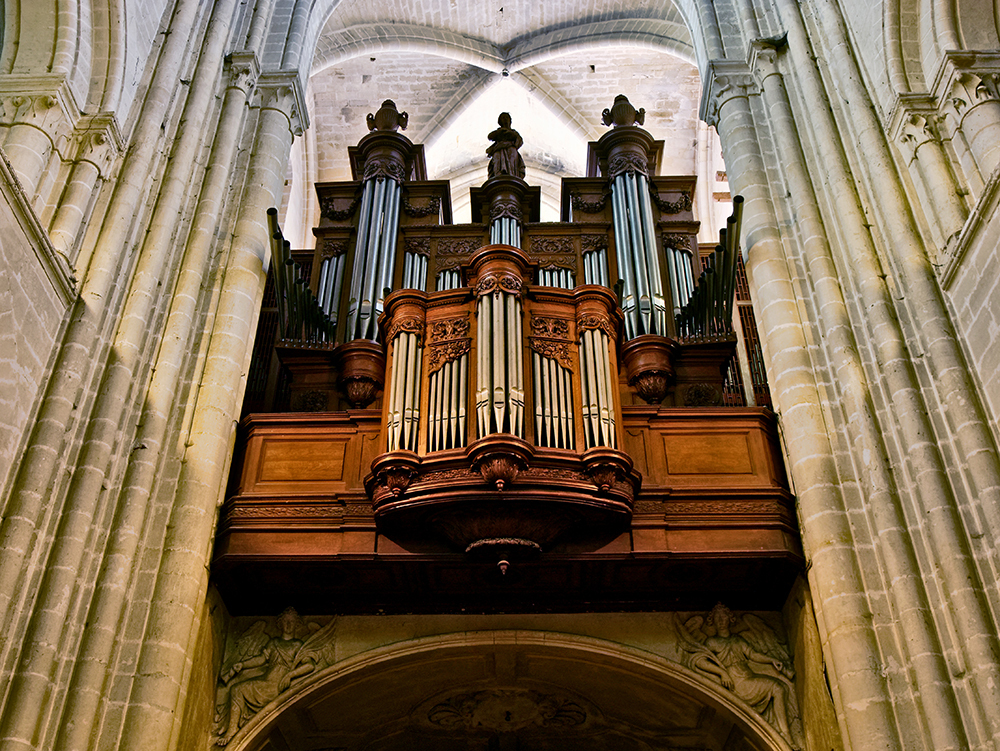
(262, 666)
(744, 654)
(505, 159)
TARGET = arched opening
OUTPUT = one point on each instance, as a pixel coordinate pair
(507, 690)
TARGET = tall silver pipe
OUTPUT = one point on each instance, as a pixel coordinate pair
(645, 209)
(626, 267)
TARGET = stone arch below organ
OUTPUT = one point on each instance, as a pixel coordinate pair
(507, 690)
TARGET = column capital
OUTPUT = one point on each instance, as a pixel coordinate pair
(283, 91)
(45, 102)
(243, 71)
(724, 80)
(98, 139)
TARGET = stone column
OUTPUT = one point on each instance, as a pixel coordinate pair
(183, 572)
(864, 705)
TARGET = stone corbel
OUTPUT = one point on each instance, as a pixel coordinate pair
(284, 92)
(724, 80)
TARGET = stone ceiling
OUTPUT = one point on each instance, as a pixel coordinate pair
(444, 62)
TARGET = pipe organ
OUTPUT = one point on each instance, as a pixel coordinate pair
(509, 385)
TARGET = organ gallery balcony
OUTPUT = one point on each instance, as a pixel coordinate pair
(483, 417)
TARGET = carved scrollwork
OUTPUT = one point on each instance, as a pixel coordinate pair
(672, 207)
(497, 283)
(381, 167)
(457, 246)
(594, 321)
(589, 207)
(552, 246)
(432, 207)
(627, 162)
(408, 324)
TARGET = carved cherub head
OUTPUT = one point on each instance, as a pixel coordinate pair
(721, 618)
(289, 623)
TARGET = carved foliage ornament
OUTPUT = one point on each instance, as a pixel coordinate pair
(550, 339)
(497, 283)
(592, 243)
(449, 341)
(432, 207)
(677, 242)
(589, 207)
(672, 207)
(327, 210)
(418, 246)
(594, 321)
(332, 249)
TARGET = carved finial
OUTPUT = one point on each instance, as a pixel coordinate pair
(505, 159)
(622, 113)
(388, 118)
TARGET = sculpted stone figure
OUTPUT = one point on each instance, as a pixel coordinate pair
(505, 159)
(744, 655)
(263, 666)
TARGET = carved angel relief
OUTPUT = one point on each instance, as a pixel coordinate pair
(266, 660)
(744, 654)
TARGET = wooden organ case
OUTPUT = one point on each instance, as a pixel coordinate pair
(506, 415)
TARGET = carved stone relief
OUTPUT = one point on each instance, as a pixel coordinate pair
(743, 654)
(267, 660)
(506, 710)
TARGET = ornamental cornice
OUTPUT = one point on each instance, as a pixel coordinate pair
(724, 80)
(283, 91)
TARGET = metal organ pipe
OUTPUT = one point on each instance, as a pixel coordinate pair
(374, 256)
